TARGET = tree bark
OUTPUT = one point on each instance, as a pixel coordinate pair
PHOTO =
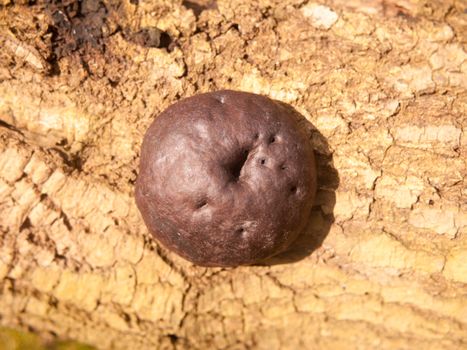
(383, 261)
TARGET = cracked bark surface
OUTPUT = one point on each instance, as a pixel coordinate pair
(383, 82)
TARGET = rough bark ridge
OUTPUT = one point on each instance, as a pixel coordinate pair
(384, 82)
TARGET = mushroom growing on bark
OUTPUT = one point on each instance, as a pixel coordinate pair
(226, 178)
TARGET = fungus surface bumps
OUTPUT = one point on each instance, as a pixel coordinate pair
(226, 178)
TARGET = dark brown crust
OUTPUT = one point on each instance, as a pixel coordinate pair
(226, 178)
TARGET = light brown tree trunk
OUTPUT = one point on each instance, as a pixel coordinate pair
(384, 83)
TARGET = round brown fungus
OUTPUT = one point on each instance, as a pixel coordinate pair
(226, 178)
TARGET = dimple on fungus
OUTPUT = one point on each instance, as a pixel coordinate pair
(226, 178)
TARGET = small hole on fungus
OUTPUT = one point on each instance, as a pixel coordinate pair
(283, 167)
(240, 230)
(201, 204)
(235, 167)
(263, 161)
(256, 136)
(293, 189)
(272, 139)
